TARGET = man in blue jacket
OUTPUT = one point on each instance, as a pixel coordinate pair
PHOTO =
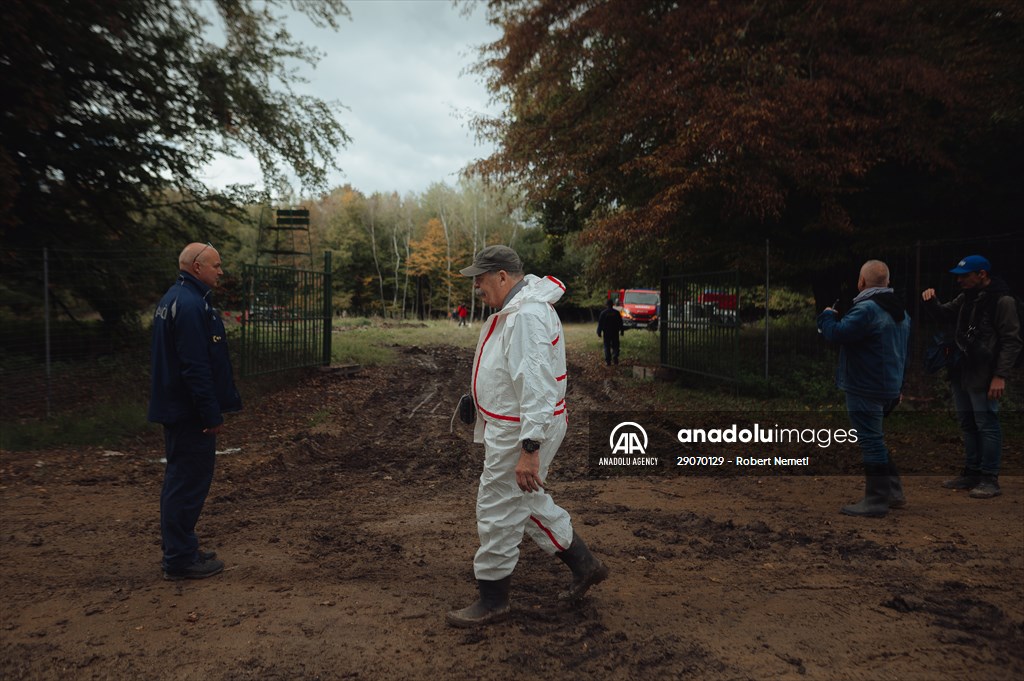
(874, 337)
(192, 387)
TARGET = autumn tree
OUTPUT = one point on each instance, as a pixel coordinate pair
(394, 253)
(113, 108)
(687, 133)
(342, 213)
(428, 263)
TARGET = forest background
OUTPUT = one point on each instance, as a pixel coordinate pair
(633, 140)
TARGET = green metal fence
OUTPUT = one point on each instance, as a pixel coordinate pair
(700, 323)
(286, 323)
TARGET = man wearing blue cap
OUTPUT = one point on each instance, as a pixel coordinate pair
(988, 334)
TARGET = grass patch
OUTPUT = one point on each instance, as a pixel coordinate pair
(100, 425)
(801, 378)
(372, 341)
(638, 346)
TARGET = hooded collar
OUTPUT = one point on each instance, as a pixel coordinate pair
(869, 292)
(886, 299)
(997, 288)
(534, 289)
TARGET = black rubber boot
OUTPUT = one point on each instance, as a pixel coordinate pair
(968, 479)
(587, 570)
(492, 606)
(896, 497)
(875, 503)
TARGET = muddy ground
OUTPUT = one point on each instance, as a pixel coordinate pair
(343, 507)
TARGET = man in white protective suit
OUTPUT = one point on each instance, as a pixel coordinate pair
(518, 385)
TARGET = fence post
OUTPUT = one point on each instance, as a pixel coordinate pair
(915, 329)
(662, 320)
(767, 309)
(46, 323)
(328, 309)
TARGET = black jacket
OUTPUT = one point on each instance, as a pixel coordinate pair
(987, 331)
(610, 323)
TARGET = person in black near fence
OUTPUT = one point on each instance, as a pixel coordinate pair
(609, 323)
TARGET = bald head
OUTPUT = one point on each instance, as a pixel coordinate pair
(190, 254)
(873, 274)
(201, 261)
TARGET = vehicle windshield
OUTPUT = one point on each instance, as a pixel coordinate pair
(640, 298)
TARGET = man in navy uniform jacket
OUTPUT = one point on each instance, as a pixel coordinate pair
(192, 387)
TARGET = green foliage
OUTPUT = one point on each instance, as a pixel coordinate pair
(781, 301)
(117, 106)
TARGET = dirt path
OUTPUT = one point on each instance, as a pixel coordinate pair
(344, 510)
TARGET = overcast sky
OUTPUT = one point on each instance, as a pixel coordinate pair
(398, 66)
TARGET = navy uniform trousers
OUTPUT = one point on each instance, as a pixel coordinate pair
(191, 455)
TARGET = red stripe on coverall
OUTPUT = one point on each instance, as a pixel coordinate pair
(557, 283)
(548, 533)
(516, 418)
(497, 416)
(479, 358)
(560, 411)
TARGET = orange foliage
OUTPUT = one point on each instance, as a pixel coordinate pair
(428, 255)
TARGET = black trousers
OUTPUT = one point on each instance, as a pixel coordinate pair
(191, 455)
(611, 348)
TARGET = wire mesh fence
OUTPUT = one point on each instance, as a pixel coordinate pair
(739, 326)
(74, 332)
(74, 325)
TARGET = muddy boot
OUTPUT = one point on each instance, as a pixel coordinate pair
(875, 503)
(896, 496)
(492, 606)
(987, 488)
(967, 479)
(587, 570)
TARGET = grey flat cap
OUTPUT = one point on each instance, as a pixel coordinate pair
(493, 259)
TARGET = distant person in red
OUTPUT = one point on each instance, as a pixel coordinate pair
(463, 313)
(610, 324)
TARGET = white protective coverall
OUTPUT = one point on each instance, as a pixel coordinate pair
(518, 383)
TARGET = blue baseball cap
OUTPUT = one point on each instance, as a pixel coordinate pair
(972, 263)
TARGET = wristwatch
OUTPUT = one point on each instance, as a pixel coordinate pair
(530, 445)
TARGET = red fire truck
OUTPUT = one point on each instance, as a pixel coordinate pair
(639, 306)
